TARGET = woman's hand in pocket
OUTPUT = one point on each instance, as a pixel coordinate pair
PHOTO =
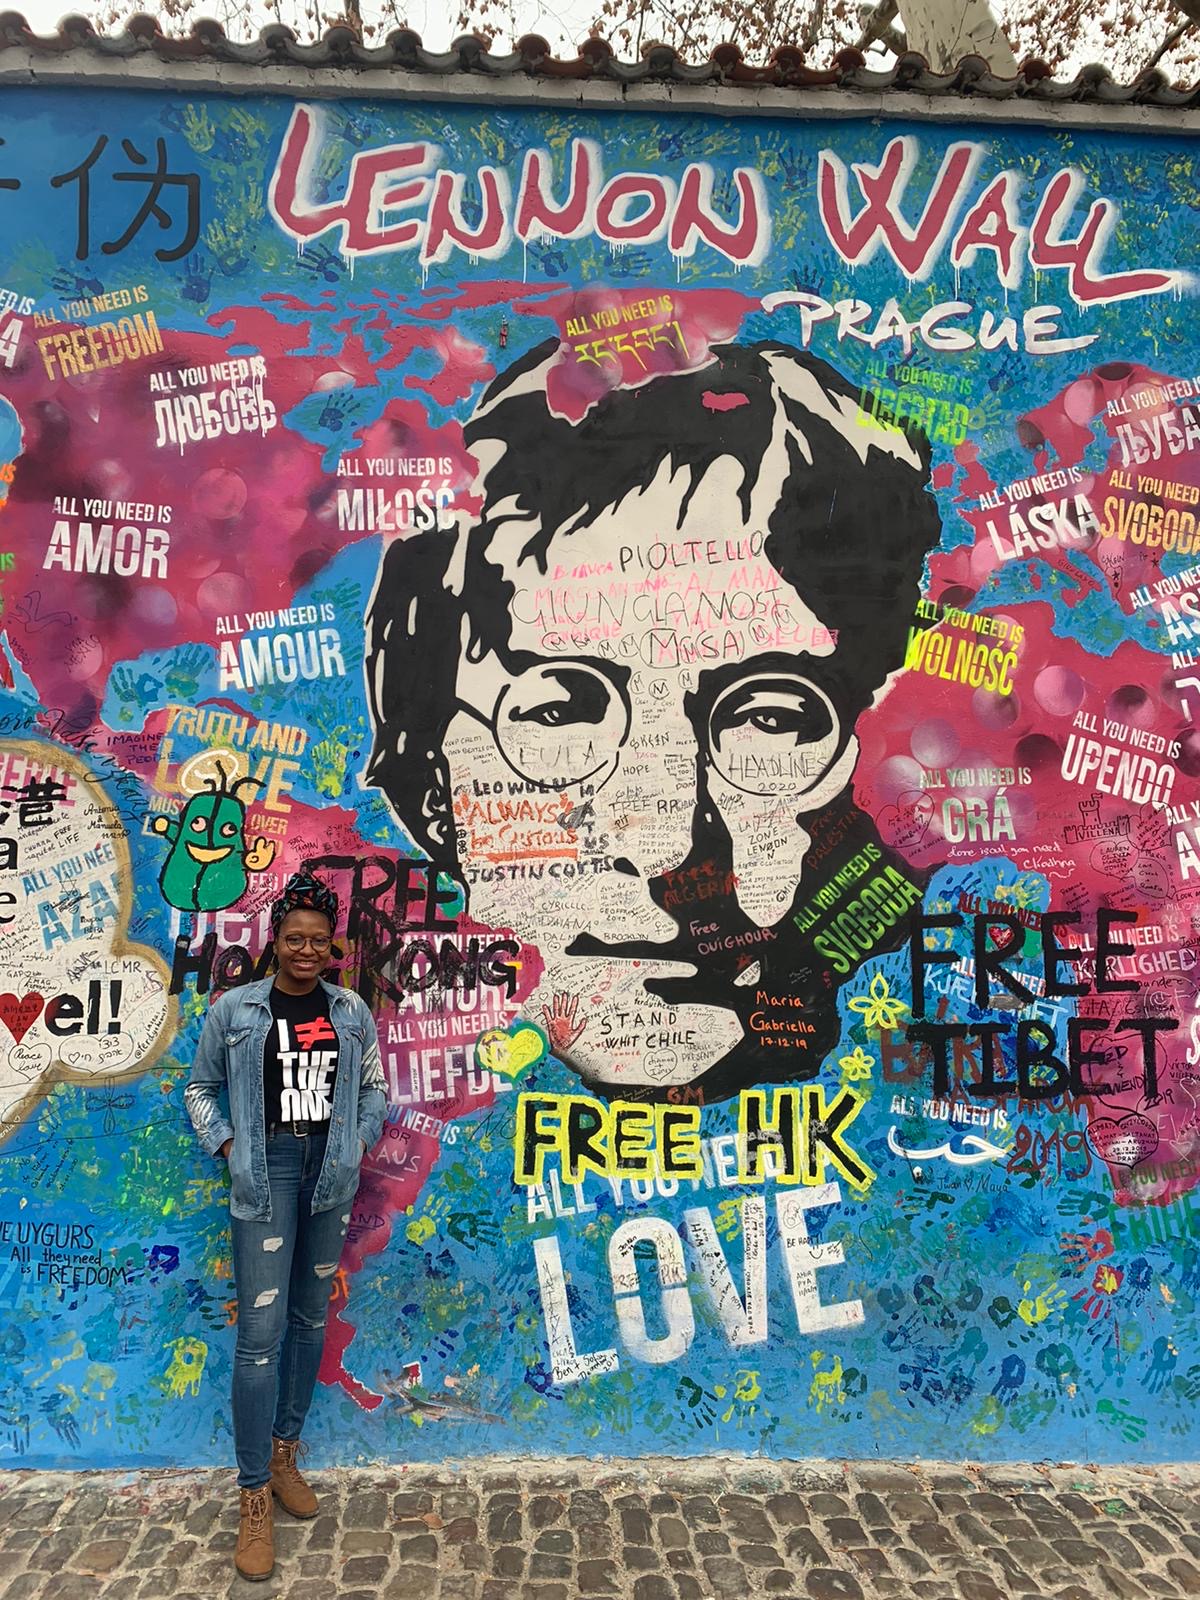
(226, 1148)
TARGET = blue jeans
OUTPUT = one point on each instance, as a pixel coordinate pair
(283, 1272)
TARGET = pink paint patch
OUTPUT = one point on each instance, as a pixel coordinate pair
(723, 402)
(617, 339)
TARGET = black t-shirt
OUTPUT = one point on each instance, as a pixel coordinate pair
(300, 1058)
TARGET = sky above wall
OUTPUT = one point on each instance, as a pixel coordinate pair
(565, 23)
(431, 18)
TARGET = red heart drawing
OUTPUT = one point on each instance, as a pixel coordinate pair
(18, 1016)
(1123, 1141)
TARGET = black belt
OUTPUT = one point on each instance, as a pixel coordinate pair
(302, 1130)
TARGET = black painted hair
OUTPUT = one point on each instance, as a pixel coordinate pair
(849, 529)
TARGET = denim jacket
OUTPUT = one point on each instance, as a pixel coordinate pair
(230, 1056)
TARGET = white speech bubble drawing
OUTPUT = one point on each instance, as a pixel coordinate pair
(77, 1000)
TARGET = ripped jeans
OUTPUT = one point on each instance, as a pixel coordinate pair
(283, 1272)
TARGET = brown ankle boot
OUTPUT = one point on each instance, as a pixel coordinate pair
(289, 1487)
(255, 1554)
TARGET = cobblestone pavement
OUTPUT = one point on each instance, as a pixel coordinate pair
(641, 1530)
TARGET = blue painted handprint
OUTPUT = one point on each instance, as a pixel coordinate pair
(1012, 1376)
(1163, 1360)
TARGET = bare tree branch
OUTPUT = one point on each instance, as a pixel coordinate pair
(1131, 37)
(875, 20)
(1167, 45)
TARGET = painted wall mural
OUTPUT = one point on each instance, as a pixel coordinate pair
(720, 598)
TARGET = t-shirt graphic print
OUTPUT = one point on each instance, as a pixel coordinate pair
(300, 1058)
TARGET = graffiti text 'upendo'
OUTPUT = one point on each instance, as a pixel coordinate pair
(791, 1143)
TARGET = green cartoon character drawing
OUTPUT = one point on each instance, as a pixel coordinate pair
(208, 861)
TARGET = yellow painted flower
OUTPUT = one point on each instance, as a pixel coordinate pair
(857, 1065)
(880, 1008)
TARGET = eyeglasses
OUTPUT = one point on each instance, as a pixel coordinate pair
(773, 734)
(297, 941)
(559, 723)
(562, 723)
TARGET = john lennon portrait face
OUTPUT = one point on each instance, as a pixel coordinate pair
(622, 698)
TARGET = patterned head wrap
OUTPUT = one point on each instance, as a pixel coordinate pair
(303, 892)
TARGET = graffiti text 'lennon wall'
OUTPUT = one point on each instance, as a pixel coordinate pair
(720, 599)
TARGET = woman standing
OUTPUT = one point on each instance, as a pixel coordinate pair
(299, 1059)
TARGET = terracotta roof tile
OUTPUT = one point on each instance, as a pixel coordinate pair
(403, 50)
